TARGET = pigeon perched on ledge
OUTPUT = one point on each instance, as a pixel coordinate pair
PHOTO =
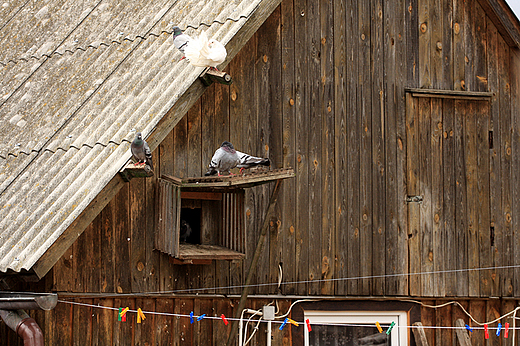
(201, 51)
(227, 158)
(141, 151)
(180, 40)
(204, 52)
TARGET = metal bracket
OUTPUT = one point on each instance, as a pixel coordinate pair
(414, 199)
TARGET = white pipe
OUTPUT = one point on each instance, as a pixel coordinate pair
(240, 336)
(269, 333)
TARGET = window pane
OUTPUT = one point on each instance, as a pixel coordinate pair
(331, 335)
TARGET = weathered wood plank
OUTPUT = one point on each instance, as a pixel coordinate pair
(449, 206)
(352, 192)
(515, 164)
(459, 62)
(194, 138)
(124, 332)
(194, 251)
(470, 56)
(340, 143)
(164, 324)
(484, 222)
(503, 145)
(301, 56)
(269, 48)
(462, 334)
(327, 96)
(435, 22)
(428, 319)
(443, 336)
(425, 29)
(121, 223)
(426, 191)
(395, 208)
(137, 213)
(471, 154)
(378, 170)
(102, 322)
(289, 126)
(461, 199)
(419, 335)
(477, 309)
(413, 186)
(315, 162)
(495, 194)
(144, 331)
(437, 197)
(364, 90)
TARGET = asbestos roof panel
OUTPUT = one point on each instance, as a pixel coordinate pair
(77, 80)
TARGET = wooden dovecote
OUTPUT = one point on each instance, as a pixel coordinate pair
(214, 209)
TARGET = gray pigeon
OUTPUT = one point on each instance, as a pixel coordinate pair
(226, 158)
(185, 231)
(248, 161)
(180, 40)
(141, 151)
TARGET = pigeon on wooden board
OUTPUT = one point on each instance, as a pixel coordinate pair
(141, 151)
(180, 40)
(227, 158)
(224, 159)
(204, 52)
(185, 231)
(248, 161)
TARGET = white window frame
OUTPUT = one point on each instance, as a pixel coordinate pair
(399, 334)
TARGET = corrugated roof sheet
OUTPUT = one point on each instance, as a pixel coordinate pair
(76, 80)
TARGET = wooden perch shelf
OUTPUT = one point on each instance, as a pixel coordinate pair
(209, 76)
(136, 171)
(230, 182)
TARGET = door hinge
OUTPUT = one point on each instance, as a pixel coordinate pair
(414, 199)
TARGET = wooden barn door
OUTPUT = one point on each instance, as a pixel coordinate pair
(448, 187)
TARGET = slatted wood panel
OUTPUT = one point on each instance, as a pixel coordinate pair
(232, 234)
(168, 225)
(438, 169)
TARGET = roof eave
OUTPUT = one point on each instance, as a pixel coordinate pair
(504, 19)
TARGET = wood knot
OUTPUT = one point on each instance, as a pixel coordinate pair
(424, 27)
(291, 102)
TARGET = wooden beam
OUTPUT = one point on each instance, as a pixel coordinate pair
(451, 94)
(419, 335)
(207, 196)
(462, 334)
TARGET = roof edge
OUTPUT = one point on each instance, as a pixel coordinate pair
(504, 19)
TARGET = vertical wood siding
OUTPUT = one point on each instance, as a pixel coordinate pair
(321, 88)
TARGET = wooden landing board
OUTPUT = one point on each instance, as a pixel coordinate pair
(205, 252)
(230, 182)
(136, 171)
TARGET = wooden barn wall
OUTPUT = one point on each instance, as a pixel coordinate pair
(321, 88)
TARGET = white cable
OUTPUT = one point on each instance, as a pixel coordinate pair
(296, 302)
